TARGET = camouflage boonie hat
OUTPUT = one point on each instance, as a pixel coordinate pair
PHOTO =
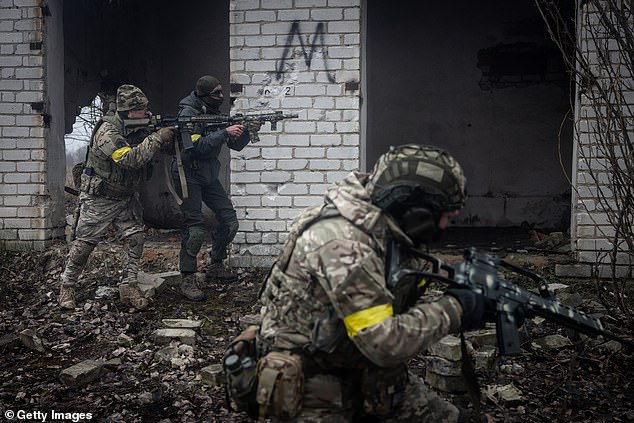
(130, 97)
(427, 166)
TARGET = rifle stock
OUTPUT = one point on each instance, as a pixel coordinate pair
(479, 273)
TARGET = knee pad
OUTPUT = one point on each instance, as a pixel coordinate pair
(232, 229)
(79, 252)
(135, 243)
(195, 239)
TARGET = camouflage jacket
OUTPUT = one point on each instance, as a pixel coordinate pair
(116, 164)
(326, 294)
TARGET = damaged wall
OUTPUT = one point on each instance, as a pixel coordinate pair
(31, 116)
(483, 80)
(478, 79)
(300, 56)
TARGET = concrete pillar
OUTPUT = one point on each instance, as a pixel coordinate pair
(31, 124)
(299, 56)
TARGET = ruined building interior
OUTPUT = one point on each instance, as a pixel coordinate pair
(480, 78)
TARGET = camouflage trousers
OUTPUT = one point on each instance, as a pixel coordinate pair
(323, 403)
(96, 216)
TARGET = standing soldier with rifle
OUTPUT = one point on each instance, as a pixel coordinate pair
(120, 149)
(201, 169)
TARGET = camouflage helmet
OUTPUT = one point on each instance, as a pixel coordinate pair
(130, 97)
(436, 175)
(205, 85)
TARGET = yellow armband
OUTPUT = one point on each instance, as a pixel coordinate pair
(362, 319)
(116, 156)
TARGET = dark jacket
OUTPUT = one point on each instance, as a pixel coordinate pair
(201, 163)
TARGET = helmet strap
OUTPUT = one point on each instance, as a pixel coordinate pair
(420, 224)
(416, 210)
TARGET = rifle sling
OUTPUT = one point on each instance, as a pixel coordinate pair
(181, 176)
(469, 375)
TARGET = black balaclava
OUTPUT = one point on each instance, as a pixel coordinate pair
(204, 86)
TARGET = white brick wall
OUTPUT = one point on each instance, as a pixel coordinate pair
(24, 216)
(295, 56)
(592, 233)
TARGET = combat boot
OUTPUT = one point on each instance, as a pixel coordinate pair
(218, 272)
(66, 298)
(130, 294)
(189, 288)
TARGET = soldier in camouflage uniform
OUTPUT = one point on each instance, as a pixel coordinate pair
(326, 298)
(120, 150)
(201, 168)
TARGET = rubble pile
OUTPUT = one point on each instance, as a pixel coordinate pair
(162, 364)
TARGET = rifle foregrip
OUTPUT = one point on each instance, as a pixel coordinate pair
(186, 138)
(507, 334)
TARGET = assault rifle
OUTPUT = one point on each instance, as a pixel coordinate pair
(479, 273)
(186, 123)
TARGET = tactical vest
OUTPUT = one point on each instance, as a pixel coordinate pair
(332, 335)
(330, 346)
(102, 176)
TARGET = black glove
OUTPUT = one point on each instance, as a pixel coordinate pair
(473, 307)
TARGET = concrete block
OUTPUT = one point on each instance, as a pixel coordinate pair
(449, 348)
(82, 373)
(484, 358)
(112, 363)
(452, 384)
(213, 375)
(332, 177)
(124, 340)
(307, 201)
(343, 27)
(330, 14)
(250, 320)
(182, 323)
(317, 164)
(293, 15)
(31, 340)
(152, 284)
(165, 336)
(573, 270)
(508, 394)
(480, 338)
(443, 367)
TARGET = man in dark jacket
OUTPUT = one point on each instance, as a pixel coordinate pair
(201, 167)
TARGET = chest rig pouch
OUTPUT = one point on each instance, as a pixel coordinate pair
(102, 177)
(280, 385)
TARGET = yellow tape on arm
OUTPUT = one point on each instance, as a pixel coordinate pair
(116, 156)
(195, 137)
(362, 319)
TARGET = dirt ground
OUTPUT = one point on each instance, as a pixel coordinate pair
(590, 382)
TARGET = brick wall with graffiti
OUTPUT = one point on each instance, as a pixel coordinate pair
(303, 57)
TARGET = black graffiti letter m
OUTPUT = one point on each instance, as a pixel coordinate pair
(307, 51)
